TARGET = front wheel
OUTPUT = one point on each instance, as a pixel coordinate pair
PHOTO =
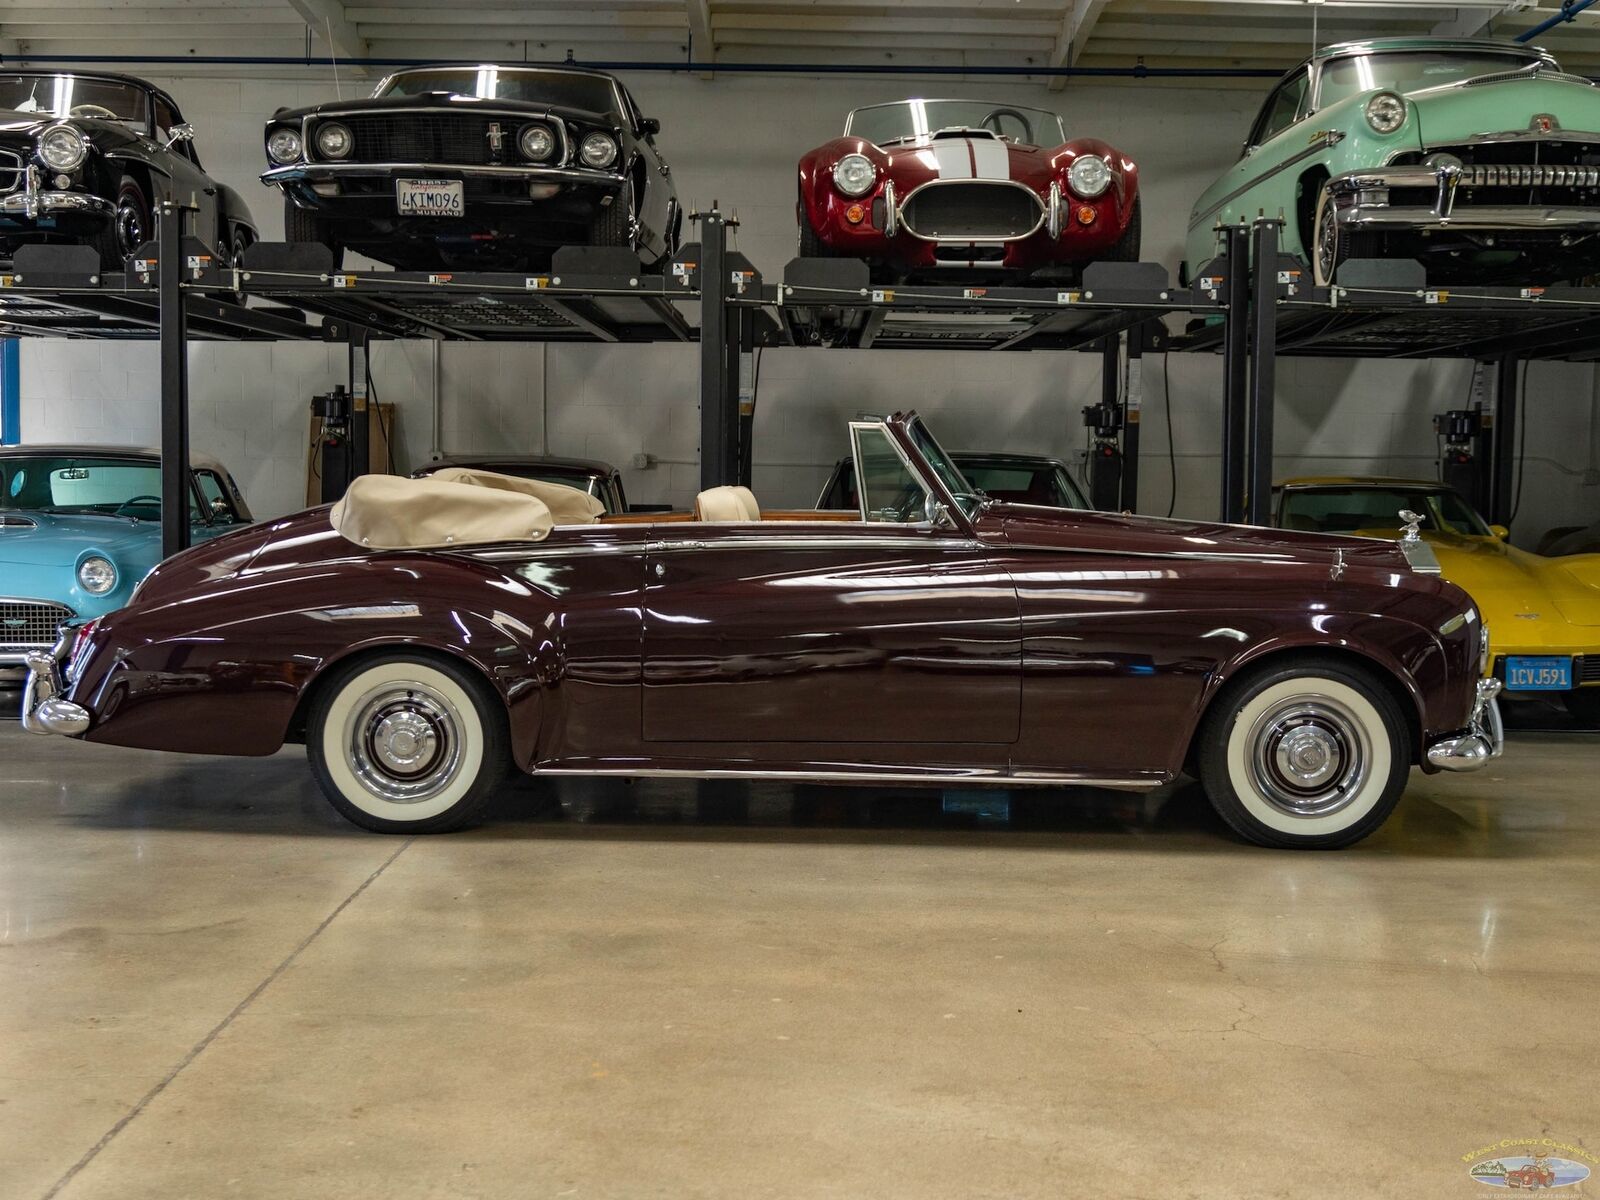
(1310, 755)
(300, 225)
(1334, 241)
(1128, 245)
(406, 744)
(129, 228)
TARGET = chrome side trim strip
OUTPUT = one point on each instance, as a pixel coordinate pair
(732, 542)
(1021, 779)
(1294, 160)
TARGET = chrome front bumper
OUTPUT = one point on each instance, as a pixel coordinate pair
(1482, 740)
(33, 201)
(318, 171)
(1362, 200)
(43, 709)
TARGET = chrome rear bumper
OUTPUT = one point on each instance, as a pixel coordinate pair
(1482, 740)
(43, 709)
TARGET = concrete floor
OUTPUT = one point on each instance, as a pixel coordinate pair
(211, 986)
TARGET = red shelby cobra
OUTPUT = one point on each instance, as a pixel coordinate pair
(427, 636)
(922, 186)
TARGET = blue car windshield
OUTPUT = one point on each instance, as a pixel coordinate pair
(128, 487)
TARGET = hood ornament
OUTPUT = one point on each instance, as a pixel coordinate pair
(1412, 525)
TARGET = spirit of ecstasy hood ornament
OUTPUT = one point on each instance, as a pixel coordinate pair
(1412, 526)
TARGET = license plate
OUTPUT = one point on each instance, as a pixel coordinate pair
(430, 197)
(1538, 674)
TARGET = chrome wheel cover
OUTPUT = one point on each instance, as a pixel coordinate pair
(403, 742)
(129, 225)
(1328, 240)
(1308, 756)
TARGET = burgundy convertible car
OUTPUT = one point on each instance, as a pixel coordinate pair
(927, 187)
(424, 637)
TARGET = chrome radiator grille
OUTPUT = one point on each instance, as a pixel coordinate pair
(13, 169)
(976, 211)
(426, 138)
(29, 624)
(1525, 175)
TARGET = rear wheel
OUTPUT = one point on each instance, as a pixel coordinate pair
(408, 744)
(1584, 705)
(299, 225)
(1311, 755)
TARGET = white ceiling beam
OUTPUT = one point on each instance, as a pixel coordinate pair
(329, 23)
(1469, 21)
(1077, 25)
(702, 46)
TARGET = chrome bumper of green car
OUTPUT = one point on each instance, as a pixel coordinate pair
(1362, 200)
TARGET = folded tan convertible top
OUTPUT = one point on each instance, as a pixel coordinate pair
(456, 507)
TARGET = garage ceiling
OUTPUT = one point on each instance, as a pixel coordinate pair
(1262, 34)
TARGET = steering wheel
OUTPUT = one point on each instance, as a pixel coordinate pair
(136, 500)
(92, 110)
(992, 121)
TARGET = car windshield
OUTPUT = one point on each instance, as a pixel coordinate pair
(1022, 483)
(565, 89)
(1346, 510)
(75, 96)
(128, 487)
(1413, 70)
(906, 120)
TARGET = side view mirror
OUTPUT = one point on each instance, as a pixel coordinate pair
(1501, 532)
(180, 133)
(649, 126)
(1247, 150)
(938, 515)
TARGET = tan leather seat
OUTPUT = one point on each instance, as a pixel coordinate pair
(726, 506)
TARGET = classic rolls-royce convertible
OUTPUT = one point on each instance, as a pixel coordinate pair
(454, 166)
(84, 158)
(425, 636)
(930, 187)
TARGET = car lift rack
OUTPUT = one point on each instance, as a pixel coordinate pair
(711, 294)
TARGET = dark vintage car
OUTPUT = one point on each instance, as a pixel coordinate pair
(489, 166)
(1014, 478)
(84, 158)
(920, 188)
(423, 638)
(599, 479)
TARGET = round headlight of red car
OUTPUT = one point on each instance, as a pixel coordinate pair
(854, 175)
(1386, 112)
(1089, 175)
(334, 140)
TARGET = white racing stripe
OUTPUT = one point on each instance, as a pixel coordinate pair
(952, 158)
(994, 161)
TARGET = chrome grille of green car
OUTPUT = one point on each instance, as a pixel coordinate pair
(1522, 175)
(30, 624)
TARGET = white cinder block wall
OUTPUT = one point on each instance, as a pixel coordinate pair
(735, 140)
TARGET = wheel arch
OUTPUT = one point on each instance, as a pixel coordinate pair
(1400, 688)
(1307, 190)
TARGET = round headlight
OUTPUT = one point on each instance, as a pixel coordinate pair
(283, 146)
(854, 175)
(333, 140)
(96, 575)
(63, 148)
(1386, 112)
(598, 150)
(537, 143)
(1089, 175)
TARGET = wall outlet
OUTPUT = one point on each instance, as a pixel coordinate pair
(643, 461)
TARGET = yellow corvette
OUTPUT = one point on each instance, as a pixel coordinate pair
(1543, 613)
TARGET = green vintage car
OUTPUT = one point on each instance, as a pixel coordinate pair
(1479, 158)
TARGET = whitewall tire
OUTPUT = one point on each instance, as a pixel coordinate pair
(1310, 755)
(407, 744)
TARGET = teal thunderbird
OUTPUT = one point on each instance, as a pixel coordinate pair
(80, 526)
(1479, 158)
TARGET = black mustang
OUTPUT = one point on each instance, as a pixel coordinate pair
(84, 158)
(476, 166)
